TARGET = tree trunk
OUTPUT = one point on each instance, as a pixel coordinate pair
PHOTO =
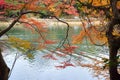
(114, 75)
(114, 45)
(4, 70)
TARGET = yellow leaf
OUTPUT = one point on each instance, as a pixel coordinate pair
(30, 56)
(116, 30)
(118, 4)
(17, 42)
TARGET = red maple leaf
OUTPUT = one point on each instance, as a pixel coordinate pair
(50, 56)
(70, 49)
(71, 10)
(65, 64)
(2, 2)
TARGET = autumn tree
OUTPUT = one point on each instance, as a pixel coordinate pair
(109, 11)
(18, 11)
(103, 10)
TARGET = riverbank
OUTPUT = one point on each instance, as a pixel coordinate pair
(54, 22)
(71, 22)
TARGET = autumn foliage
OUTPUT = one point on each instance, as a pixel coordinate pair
(92, 29)
(93, 16)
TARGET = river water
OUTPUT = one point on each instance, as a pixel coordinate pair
(40, 68)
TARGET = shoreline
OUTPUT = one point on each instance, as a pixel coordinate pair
(54, 22)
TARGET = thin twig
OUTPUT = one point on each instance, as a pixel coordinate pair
(16, 57)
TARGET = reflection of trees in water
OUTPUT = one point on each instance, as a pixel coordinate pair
(97, 69)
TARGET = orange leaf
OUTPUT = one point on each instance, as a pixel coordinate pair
(65, 64)
(79, 38)
(49, 42)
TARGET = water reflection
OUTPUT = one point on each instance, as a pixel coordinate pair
(40, 68)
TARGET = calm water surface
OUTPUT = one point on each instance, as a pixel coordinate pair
(40, 68)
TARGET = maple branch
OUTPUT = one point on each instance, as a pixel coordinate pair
(10, 26)
(67, 32)
(89, 22)
(89, 36)
(32, 25)
(13, 23)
